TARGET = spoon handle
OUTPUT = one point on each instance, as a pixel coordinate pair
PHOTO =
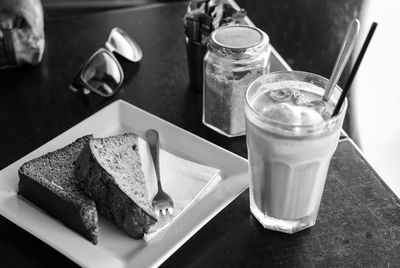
(344, 55)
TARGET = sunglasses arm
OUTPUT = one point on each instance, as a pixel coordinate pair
(76, 88)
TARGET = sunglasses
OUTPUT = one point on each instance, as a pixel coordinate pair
(102, 73)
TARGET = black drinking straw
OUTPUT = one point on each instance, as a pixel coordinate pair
(354, 70)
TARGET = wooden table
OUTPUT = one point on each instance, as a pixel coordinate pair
(359, 219)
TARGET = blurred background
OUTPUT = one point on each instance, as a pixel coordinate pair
(308, 34)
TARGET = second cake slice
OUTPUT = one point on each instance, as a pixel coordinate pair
(109, 171)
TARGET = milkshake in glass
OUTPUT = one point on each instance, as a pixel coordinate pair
(291, 138)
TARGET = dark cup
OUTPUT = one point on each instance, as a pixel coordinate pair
(195, 54)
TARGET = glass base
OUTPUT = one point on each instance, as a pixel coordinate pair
(230, 135)
(281, 225)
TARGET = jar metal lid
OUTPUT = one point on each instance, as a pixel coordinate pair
(238, 40)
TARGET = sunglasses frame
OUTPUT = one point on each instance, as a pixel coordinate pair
(80, 84)
(80, 81)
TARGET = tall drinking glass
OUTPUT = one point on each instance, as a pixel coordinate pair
(291, 138)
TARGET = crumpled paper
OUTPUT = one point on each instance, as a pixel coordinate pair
(22, 38)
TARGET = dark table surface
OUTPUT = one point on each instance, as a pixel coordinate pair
(359, 219)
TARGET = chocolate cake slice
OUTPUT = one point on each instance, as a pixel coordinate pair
(109, 171)
(49, 182)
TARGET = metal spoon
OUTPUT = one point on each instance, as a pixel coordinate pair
(344, 55)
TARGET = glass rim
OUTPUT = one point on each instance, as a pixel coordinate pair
(271, 122)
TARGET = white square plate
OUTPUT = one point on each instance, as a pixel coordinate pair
(115, 249)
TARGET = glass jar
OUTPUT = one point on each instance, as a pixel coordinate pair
(236, 56)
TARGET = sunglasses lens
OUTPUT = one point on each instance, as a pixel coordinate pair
(120, 42)
(103, 73)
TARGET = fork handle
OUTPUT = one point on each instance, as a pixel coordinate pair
(154, 144)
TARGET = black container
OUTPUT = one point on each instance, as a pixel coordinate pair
(195, 54)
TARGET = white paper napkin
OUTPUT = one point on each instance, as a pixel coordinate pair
(185, 181)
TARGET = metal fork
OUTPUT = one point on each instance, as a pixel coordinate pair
(162, 202)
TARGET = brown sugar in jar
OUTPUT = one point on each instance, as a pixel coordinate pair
(236, 56)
